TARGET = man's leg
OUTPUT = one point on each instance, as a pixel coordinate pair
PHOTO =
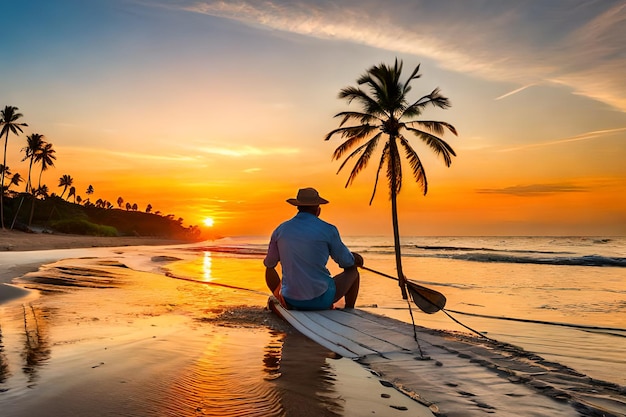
(272, 279)
(347, 285)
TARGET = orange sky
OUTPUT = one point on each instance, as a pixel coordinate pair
(204, 112)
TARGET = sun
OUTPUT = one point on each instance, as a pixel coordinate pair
(208, 222)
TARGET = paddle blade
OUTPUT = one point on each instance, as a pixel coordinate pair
(429, 301)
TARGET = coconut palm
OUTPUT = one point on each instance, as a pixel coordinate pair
(34, 144)
(9, 121)
(388, 115)
(46, 157)
(15, 180)
(72, 193)
(65, 181)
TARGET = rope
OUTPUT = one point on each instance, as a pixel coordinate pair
(425, 298)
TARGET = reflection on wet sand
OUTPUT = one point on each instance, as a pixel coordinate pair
(36, 341)
(114, 341)
(4, 366)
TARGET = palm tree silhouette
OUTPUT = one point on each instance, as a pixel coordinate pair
(72, 193)
(34, 144)
(46, 157)
(9, 122)
(15, 180)
(65, 181)
(387, 112)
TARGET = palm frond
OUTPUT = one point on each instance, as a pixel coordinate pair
(434, 126)
(370, 105)
(414, 75)
(353, 154)
(363, 118)
(417, 168)
(361, 163)
(394, 168)
(383, 159)
(438, 145)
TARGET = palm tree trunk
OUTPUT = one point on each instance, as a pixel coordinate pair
(4, 165)
(396, 244)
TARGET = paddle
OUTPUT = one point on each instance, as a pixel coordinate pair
(429, 301)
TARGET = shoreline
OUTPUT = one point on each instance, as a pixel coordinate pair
(12, 240)
(17, 241)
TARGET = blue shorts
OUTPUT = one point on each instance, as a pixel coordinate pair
(322, 302)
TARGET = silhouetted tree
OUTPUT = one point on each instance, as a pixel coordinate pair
(9, 121)
(120, 200)
(65, 181)
(34, 144)
(385, 110)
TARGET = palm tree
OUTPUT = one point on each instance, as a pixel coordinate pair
(65, 181)
(89, 192)
(34, 144)
(72, 193)
(8, 121)
(46, 157)
(120, 200)
(148, 208)
(15, 180)
(386, 112)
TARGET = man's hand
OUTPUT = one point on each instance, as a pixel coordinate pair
(358, 259)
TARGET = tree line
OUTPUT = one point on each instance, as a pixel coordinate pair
(41, 155)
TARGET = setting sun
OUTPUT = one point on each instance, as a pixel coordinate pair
(208, 222)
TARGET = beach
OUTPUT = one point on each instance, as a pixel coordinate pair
(105, 329)
(85, 336)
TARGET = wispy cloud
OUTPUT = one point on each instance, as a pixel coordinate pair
(534, 190)
(510, 93)
(576, 43)
(583, 136)
(243, 151)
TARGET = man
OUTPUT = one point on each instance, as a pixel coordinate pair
(303, 245)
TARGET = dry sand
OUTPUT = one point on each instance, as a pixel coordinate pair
(11, 240)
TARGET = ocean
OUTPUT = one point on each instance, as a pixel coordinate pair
(563, 298)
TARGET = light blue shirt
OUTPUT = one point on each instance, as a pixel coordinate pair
(303, 245)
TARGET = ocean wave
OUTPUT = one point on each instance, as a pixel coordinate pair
(588, 260)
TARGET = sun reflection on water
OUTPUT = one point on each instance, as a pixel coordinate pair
(206, 266)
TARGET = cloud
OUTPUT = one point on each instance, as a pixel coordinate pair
(583, 136)
(243, 151)
(577, 43)
(510, 93)
(534, 190)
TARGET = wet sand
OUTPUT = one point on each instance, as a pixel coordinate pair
(96, 338)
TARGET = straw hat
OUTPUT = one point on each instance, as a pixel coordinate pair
(307, 197)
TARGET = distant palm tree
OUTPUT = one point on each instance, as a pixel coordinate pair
(89, 192)
(78, 199)
(9, 122)
(387, 112)
(65, 181)
(5, 171)
(72, 193)
(135, 207)
(15, 180)
(148, 208)
(34, 144)
(128, 206)
(120, 200)
(46, 158)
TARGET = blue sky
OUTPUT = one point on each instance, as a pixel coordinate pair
(218, 108)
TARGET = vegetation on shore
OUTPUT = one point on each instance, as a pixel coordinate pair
(38, 208)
